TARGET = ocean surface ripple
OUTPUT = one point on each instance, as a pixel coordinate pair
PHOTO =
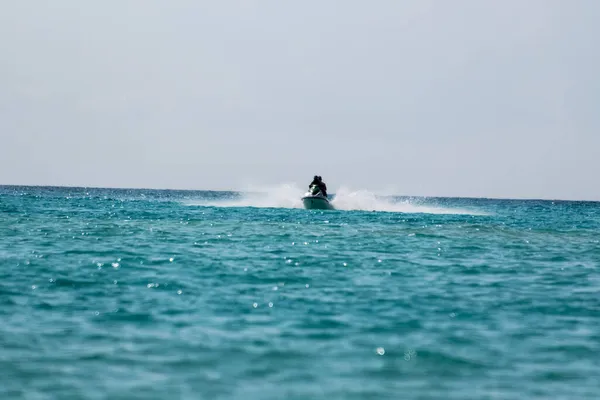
(149, 294)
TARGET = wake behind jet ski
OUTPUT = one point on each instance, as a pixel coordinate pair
(316, 197)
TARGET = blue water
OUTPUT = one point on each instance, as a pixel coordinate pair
(146, 294)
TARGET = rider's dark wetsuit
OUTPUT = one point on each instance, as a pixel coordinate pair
(320, 184)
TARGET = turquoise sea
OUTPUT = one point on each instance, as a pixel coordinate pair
(152, 294)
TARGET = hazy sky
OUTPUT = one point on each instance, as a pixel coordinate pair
(450, 98)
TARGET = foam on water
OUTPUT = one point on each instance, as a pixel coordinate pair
(364, 200)
(345, 198)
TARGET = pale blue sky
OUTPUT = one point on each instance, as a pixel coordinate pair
(448, 98)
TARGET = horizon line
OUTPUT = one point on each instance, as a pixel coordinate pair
(239, 191)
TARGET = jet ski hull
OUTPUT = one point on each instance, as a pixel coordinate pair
(316, 203)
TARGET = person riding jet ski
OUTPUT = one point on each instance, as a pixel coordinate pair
(318, 181)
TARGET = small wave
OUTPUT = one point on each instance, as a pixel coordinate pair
(288, 196)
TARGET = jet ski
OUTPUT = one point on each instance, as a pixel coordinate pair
(314, 199)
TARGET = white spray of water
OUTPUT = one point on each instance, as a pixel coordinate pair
(364, 200)
(289, 196)
(281, 196)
